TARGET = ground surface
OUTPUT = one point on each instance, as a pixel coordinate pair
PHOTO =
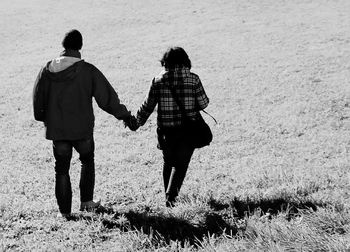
(276, 176)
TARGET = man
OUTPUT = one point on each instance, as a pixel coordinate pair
(62, 99)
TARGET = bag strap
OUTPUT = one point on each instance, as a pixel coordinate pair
(182, 109)
(210, 116)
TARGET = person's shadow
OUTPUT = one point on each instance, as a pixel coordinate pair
(221, 218)
(162, 226)
(170, 228)
(242, 208)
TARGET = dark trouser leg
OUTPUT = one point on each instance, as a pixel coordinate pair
(176, 161)
(86, 148)
(167, 169)
(63, 190)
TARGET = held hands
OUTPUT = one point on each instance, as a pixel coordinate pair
(131, 123)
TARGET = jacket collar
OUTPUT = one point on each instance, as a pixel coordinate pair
(71, 53)
(177, 68)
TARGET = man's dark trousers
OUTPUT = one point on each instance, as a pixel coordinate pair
(62, 150)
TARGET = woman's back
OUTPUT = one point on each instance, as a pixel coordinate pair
(189, 92)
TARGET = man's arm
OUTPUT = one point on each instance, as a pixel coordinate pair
(39, 97)
(106, 97)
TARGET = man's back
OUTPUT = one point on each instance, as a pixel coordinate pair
(63, 99)
(69, 101)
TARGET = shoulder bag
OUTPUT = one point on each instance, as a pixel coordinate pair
(197, 132)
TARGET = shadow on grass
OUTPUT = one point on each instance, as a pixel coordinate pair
(243, 208)
(220, 218)
(163, 227)
(166, 228)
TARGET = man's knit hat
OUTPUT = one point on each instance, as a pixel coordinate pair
(72, 40)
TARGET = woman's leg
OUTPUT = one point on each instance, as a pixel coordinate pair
(183, 154)
(63, 190)
(176, 161)
(166, 175)
(167, 169)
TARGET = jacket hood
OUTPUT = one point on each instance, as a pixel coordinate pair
(63, 69)
(61, 63)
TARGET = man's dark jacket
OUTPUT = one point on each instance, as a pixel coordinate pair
(63, 100)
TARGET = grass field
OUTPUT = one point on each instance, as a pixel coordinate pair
(275, 178)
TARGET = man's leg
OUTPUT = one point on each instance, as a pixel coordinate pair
(63, 190)
(86, 148)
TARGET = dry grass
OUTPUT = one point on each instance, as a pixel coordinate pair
(276, 177)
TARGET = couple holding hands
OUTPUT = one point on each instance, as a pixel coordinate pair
(62, 99)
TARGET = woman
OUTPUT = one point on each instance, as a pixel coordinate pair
(176, 91)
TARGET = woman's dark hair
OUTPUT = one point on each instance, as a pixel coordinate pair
(175, 56)
(72, 40)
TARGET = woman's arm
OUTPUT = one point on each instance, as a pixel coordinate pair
(147, 106)
(202, 99)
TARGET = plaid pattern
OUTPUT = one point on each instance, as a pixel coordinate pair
(188, 89)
